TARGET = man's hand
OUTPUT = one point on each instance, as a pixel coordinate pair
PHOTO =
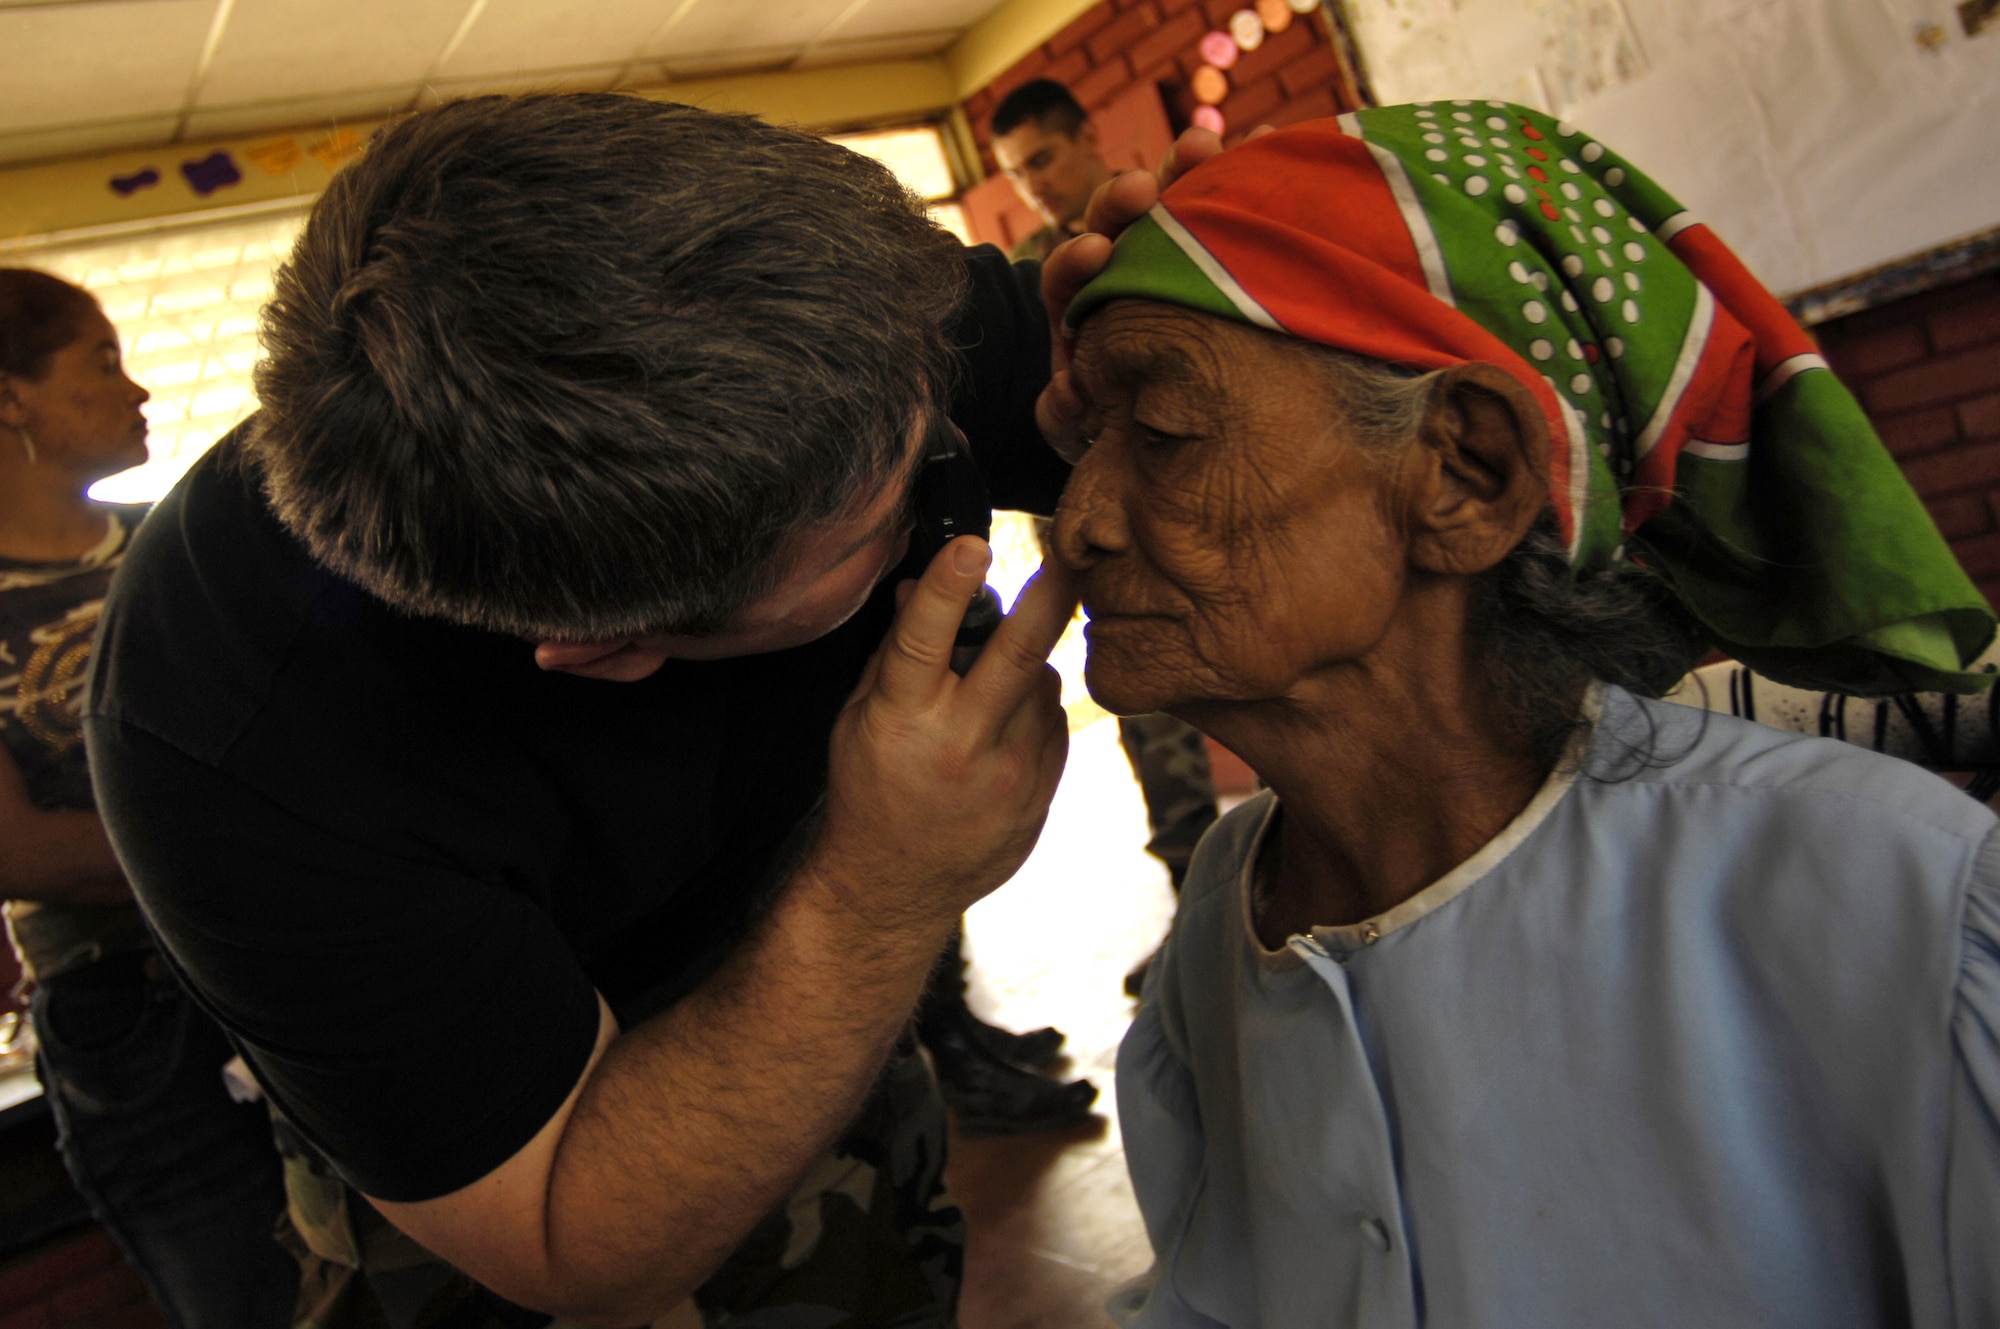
(1118, 203)
(688, 1128)
(939, 785)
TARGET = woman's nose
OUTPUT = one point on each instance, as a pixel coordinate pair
(1089, 522)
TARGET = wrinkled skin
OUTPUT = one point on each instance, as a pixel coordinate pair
(1251, 568)
(1214, 516)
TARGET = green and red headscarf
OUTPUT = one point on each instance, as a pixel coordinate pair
(1696, 431)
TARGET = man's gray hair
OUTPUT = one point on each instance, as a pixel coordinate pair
(577, 367)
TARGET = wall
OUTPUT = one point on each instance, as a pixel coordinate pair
(1117, 44)
(1927, 370)
(1804, 131)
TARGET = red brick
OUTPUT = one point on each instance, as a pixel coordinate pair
(1172, 7)
(1126, 4)
(1069, 69)
(1313, 106)
(1317, 69)
(1190, 60)
(1935, 382)
(1909, 434)
(1980, 418)
(1164, 76)
(1081, 29)
(115, 1286)
(1967, 325)
(1980, 557)
(1167, 39)
(978, 107)
(1103, 83)
(1119, 35)
(1218, 12)
(1029, 66)
(1245, 108)
(49, 1267)
(1273, 55)
(1991, 590)
(1877, 352)
(1974, 466)
(1957, 518)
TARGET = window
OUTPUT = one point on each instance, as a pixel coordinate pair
(917, 155)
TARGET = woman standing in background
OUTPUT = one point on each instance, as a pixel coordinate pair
(185, 1179)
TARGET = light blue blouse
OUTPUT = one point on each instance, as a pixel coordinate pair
(1707, 1040)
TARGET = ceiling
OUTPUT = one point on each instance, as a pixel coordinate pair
(85, 76)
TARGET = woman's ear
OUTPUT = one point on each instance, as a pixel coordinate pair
(1478, 476)
(13, 411)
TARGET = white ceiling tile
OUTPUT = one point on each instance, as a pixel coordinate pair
(712, 26)
(875, 48)
(275, 49)
(707, 64)
(299, 113)
(75, 140)
(511, 36)
(67, 64)
(880, 18)
(589, 78)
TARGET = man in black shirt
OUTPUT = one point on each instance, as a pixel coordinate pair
(463, 719)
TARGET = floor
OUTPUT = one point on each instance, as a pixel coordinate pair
(1052, 1221)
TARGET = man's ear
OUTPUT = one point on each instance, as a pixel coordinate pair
(625, 661)
(1479, 473)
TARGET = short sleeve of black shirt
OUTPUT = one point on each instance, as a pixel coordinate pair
(398, 863)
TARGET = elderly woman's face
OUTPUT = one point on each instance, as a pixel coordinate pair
(1229, 537)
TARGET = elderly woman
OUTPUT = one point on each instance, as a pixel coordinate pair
(1428, 444)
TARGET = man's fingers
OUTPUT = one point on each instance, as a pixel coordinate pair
(1059, 415)
(1014, 661)
(1068, 269)
(1120, 201)
(1195, 146)
(916, 657)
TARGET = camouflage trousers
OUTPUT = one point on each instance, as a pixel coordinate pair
(1171, 762)
(869, 1239)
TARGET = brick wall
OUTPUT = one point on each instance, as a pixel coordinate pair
(1927, 371)
(1295, 75)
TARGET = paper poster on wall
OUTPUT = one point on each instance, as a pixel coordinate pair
(1820, 138)
(1548, 54)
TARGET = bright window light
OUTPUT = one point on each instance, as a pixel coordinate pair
(916, 155)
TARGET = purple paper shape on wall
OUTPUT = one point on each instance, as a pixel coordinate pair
(127, 185)
(218, 170)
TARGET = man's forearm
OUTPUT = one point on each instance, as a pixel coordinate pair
(696, 1123)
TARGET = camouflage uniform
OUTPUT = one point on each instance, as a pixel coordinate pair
(869, 1239)
(1171, 760)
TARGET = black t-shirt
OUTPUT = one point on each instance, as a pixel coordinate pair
(394, 858)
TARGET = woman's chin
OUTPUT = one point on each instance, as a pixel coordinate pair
(1121, 691)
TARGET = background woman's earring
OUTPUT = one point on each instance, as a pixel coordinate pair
(28, 442)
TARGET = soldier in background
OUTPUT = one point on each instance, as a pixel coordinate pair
(1048, 146)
